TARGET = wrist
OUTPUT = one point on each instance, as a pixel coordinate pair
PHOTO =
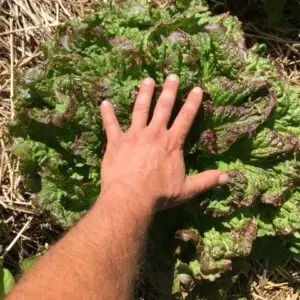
(125, 197)
(117, 208)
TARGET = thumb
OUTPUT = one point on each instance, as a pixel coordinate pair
(203, 182)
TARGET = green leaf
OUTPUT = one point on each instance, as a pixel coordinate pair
(27, 263)
(1, 281)
(8, 281)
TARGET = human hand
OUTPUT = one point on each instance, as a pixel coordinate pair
(148, 158)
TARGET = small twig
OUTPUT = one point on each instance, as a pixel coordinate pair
(11, 41)
(81, 8)
(271, 285)
(8, 200)
(11, 218)
(25, 237)
(66, 12)
(22, 210)
(29, 59)
(1, 166)
(282, 272)
(3, 204)
(8, 248)
(30, 28)
(57, 12)
(259, 297)
(12, 177)
(269, 38)
(17, 203)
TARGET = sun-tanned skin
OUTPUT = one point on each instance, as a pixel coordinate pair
(142, 171)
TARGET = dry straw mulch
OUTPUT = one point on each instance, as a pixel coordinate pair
(24, 26)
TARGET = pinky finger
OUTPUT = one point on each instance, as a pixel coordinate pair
(110, 122)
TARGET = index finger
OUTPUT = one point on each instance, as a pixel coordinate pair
(110, 122)
(187, 114)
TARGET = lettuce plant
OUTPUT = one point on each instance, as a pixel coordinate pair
(249, 126)
(7, 281)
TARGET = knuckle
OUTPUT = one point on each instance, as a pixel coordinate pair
(130, 135)
(177, 138)
(165, 105)
(153, 132)
(181, 140)
(141, 108)
(109, 122)
(175, 141)
(188, 114)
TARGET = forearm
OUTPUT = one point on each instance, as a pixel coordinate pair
(98, 258)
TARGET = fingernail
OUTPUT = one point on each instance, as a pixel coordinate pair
(148, 80)
(223, 178)
(197, 90)
(105, 103)
(173, 77)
